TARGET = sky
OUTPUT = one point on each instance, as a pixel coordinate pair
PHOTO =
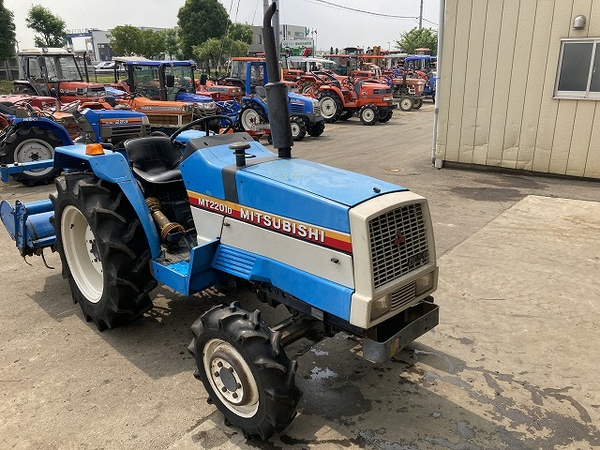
(335, 27)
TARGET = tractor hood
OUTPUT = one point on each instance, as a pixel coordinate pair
(293, 188)
(193, 98)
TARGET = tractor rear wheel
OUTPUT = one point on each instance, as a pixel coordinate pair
(405, 103)
(298, 128)
(417, 103)
(369, 114)
(316, 129)
(250, 116)
(31, 145)
(245, 370)
(103, 249)
(331, 107)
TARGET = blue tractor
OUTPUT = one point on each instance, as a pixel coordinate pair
(31, 136)
(251, 74)
(341, 251)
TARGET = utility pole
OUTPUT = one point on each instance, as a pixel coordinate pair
(421, 16)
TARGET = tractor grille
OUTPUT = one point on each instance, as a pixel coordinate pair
(398, 243)
(97, 91)
(403, 297)
(169, 120)
(296, 109)
(382, 91)
(113, 134)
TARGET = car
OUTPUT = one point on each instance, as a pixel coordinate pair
(105, 65)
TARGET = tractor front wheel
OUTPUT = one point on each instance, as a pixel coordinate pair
(31, 145)
(369, 114)
(103, 249)
(417, 103)
(245, 370)
(298, 128)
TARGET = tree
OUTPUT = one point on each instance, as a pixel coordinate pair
(171, 43)
(152, 44)
(51, 28)
(240, 32)
(215, 52)
(418, 38)
(7, 36)
(125, 40)
(200, 20)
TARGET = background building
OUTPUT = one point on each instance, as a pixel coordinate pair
(294, 35)
(520, 84)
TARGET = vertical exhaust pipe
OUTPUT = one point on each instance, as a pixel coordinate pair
(279, 116)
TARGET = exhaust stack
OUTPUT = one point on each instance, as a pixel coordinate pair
(279, 116)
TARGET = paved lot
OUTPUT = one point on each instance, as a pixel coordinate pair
(513, 365)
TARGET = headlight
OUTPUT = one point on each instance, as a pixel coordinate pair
(188, 108)
(388, 98)
(424, 284)
(379, 307)
(145, 120)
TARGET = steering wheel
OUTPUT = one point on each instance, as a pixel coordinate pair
(200, 121)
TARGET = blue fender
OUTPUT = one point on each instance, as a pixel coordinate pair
(46, 124)
(113, 167)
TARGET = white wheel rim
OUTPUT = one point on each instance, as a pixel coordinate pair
(249, 118)
(328, 107)
(295, 129)
(407, 102)
(368, 115)
(33, 150)
(82, 254)
(230, 378)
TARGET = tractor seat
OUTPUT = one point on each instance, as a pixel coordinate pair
(261, 92)
(154, 159)
(358, 86)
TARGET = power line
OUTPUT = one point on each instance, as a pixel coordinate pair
(362, 11)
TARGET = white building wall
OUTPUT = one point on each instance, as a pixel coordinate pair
(498, 74)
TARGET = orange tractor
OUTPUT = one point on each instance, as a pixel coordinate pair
(55, 72)
(341, 97)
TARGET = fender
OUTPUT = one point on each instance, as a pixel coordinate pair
(259, 102)
(113, 167)
(40, 122)
(45, 124)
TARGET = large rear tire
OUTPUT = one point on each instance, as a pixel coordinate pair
(331, 107)
(103, 249)
(245, 370)
(250, 116)
(30, 145)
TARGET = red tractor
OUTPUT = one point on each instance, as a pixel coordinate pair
(341, 97)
